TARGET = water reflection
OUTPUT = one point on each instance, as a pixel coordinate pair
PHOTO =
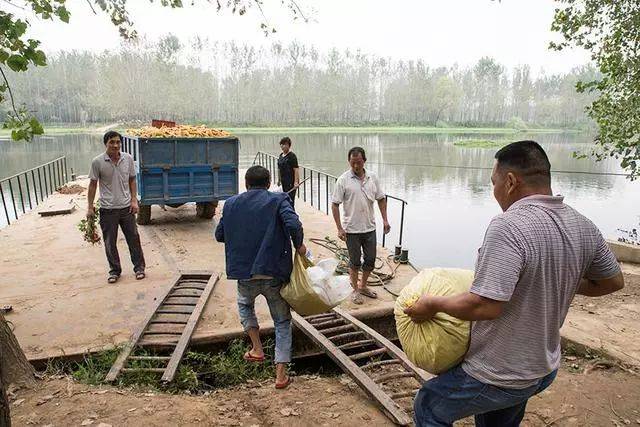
(449, 207)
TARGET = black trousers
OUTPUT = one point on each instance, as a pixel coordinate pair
(110, 219)
(292, 195)
(359, 244)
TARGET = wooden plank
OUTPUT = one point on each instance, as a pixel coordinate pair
(158, 370)
(57, 206)
(126, 350)
(347, 335)
(403, 394)
(381, 363)
(329, 323)
(393, 376)
(338, 329)
(392, 349)
(187, 299)
(390, 408)
(355, 344)
(364, 355)
(170, 328)
(173, 309)
(185, 338)
(149, 358)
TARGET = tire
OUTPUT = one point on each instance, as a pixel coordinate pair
(206, 210)
(144, 215)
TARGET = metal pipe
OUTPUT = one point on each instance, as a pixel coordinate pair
(40, 181)
(13, 201)
(304, 189)
(4, 204)
(326, 185)
(21, 195)
(318, 190)
(311, 187)
(35, 189)
(401, 223)
(384, 236)
(26, 178)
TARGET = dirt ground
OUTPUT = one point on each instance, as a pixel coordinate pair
(582, 395)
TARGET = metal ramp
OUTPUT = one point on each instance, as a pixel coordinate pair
(169, 327)
(377, 365)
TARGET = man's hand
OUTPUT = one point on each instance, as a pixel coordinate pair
(91, 212)
(134, 207)
(342, 234)
(302, 250)
(387, 227)
(422, 310)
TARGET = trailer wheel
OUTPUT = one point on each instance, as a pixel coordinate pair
(206, 210)
(144, 214)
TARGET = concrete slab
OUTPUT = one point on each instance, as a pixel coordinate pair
(63, 305)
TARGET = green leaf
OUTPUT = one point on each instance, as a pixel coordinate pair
(39, 58)
(63, 14)
(36, 127)
(17, 63)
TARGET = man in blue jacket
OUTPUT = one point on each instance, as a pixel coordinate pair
(257, 228)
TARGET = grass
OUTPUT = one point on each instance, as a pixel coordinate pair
(197, 372)
(481, 143)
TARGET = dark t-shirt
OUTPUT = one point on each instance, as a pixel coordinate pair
(286, 164)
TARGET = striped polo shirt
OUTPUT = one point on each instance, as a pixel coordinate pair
(532, 258)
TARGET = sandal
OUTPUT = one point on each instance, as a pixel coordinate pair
(140, 275)
(368, 292)
(112, 278)
(285, 384)
(356, 298)
(251, 358)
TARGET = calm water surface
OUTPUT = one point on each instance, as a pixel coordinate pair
(450, 202)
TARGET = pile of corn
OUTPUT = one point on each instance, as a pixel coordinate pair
(182, 131)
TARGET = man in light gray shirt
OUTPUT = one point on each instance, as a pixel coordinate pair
(357, 189)
(535, 258)
(115, 172)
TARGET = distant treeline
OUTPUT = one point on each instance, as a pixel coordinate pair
(235, 84)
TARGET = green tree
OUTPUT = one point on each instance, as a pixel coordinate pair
(19, 53)
(610, 30)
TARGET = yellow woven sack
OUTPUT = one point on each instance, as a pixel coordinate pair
(440, 343)
(299, 294)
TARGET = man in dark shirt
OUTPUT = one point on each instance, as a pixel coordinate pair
(257, 228)
(288, 170)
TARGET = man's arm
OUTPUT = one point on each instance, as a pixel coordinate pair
(133, 189)
(465, 306)
(600, 287)
(293, 225)
(219, 232)
(382, 204)
(335, 210)
(296, 177)
(91, 195)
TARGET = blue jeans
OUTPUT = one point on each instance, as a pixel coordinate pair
(248, 290)
(454, 395)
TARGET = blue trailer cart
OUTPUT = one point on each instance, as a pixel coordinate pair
(175, 171)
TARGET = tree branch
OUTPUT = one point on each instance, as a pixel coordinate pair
(91, 6)
(6, 82)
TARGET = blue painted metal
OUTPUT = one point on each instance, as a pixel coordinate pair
(183, 170)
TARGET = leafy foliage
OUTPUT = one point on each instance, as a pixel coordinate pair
(18, 53)
(610, 30)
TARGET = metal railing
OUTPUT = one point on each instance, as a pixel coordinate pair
(316, 187)
(22, 192)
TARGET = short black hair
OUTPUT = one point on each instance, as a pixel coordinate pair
(528, 159)
(110, 134)
(286, 140)
(355, 151)
(257, 177)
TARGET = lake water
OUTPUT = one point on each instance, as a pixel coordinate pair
(450, 202)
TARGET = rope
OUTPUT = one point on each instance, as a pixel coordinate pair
(377, 276)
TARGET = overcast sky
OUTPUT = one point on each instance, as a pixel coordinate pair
(441, 32)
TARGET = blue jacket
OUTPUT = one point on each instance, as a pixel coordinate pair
(257, 228)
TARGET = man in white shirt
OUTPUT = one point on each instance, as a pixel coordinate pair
(357, 189)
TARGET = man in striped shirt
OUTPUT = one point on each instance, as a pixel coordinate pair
(535, 257)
